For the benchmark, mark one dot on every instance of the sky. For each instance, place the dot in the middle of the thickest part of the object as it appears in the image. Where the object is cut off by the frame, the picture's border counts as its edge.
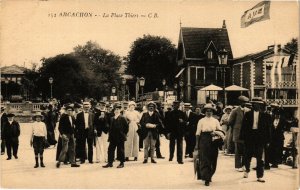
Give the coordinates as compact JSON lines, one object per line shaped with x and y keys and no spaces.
{"x":29,"y":32}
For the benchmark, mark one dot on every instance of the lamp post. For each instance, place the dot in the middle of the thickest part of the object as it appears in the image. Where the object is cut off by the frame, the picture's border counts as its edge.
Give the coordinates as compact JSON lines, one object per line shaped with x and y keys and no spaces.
{"x":181,"y":89}
{"x":113,"y":92}
{"x":223,"y":56}
{"x":164,"y":82}
{"x":6,"y":84}
{"x":175,"y":90}
{"x":142,"y":84}
{"x":51,"y":82}
{"x":123,"y":88}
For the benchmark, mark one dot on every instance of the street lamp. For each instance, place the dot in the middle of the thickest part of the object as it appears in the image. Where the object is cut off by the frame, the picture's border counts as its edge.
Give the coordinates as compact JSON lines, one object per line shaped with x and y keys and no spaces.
{"x":181,"y":89}
{"x":123,"y":88}
{"x":223,"y":56}
{"x":142,"y":84}
{"x":6,"y":84}
{"x":51,"y":82}
{"x":164,"y":82}
{"x":175,"y":90}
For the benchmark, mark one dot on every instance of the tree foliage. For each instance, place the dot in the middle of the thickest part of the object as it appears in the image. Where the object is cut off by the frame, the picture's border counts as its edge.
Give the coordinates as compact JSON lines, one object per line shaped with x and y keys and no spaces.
{"x":292,"y":45}
{"x":154,"y":58}
{"x":89,"y":71}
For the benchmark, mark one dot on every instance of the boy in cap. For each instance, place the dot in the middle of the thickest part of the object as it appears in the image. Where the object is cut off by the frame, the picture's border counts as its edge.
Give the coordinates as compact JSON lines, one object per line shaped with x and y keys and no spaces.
{"x":11,"y":133}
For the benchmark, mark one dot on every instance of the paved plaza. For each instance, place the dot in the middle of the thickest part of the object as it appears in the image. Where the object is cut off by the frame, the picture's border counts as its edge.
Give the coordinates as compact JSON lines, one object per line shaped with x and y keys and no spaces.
{"x":163,"y":175}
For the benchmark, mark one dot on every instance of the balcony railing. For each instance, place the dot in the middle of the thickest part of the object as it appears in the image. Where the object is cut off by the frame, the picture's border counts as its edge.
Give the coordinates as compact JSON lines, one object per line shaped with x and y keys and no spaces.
{"x":282,"y":84}
{"x":284,"y":102}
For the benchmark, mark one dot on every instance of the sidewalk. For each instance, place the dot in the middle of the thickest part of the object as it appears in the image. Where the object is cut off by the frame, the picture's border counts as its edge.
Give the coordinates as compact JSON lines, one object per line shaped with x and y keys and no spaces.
{"x":164,"y":175}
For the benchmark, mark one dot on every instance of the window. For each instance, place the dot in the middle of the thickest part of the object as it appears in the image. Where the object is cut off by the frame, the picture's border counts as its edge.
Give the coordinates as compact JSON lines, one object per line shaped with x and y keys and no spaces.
{"x":209,"y":54}
{"x":200,"y":73}
{"x":212,"y":95}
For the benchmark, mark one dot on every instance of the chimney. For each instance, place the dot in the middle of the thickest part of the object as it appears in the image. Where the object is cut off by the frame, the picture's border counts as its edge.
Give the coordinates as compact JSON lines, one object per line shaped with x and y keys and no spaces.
{"x":279,"y":47}
{"x":224,"y":25}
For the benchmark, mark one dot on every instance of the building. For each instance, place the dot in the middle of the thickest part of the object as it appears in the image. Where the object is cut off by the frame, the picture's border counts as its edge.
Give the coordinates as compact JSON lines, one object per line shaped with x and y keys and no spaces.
{"x":270,"y":74}
{"x":11,"y":81}
{"x":200,"y":58}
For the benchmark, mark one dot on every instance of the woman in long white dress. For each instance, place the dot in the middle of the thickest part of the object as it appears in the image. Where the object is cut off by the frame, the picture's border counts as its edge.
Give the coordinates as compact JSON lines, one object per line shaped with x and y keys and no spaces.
{"x":132,"y":142}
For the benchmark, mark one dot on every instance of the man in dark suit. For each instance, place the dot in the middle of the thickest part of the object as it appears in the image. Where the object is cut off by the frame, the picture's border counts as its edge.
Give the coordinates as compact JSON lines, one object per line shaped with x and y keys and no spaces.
{"x":11,"y":133}
{"x":190,"y":132}
{"x":66,"y":130}
{"x":255,"y":133}
{"x":4,"y":120}
{"x":176,"y":124}
{"x":235,"y":121}
{"x":85,"y":132}
{"x":118,"y":130}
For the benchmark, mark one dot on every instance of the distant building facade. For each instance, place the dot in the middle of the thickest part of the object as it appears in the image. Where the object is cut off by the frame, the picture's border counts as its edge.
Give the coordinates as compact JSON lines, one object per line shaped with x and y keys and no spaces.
{"x":11,"y":81}
{"x":270,"y":74}
{"x":199,"y":61}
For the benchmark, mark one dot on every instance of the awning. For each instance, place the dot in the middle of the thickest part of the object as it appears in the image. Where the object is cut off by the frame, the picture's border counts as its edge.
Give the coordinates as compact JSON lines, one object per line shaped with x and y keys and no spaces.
{"x":211,"y":88}
{"x":180,"y":72}
{"x":235,"y":88}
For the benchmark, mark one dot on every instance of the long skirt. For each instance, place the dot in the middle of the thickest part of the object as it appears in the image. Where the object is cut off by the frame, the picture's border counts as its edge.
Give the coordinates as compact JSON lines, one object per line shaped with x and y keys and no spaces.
{"x":208,"y":155}
{"x":102,"y":148}
{"x":132,"y":142}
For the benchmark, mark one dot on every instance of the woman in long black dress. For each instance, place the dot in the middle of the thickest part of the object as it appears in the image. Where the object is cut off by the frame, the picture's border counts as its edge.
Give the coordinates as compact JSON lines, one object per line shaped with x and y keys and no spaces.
{"x":208,"y":131}
{"x":274,"y":151}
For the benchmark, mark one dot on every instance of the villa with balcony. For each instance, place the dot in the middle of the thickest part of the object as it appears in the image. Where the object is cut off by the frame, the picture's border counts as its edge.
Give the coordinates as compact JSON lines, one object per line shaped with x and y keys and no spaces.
{"x":270,"y":74}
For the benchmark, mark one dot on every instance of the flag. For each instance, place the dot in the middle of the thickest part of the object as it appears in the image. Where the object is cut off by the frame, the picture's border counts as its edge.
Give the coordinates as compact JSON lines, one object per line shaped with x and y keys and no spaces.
{"x":259,"y":12}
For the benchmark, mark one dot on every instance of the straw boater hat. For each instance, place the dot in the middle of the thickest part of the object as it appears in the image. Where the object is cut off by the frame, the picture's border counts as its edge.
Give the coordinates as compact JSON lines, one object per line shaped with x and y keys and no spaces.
{"x":258,"y":100}
{"x":151,"y":103}
{"x":208,"y":106}
{"x":69,"y":106}
{"x":227,"y":107}
{"x":187,"y":105}
{"x":38,"y":114}
{"x":119,"y":106}
{"x":131,"y":103}
{"x":243,"y":99}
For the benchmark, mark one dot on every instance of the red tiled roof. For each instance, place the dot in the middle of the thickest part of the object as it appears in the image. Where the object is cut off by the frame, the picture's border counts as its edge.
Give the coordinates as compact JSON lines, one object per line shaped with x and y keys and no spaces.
{"x":196,"y":40}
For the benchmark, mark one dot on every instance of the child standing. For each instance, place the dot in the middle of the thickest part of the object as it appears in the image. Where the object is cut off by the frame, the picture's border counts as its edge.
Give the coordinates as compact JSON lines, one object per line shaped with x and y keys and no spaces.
{"x":38,"y":138}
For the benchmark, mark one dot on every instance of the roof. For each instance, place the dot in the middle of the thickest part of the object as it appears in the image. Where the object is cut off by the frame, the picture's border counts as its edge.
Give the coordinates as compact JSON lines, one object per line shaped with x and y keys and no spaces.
{"x":235,"y":88}
{"x":211,"y":88}
{"x":259,"y":54}
{"x":13,"y":69}
{"x":196,"y":41}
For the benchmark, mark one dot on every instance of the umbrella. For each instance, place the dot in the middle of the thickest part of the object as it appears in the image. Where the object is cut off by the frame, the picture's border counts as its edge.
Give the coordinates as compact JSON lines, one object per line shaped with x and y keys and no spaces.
{"x":235,"y":88}
{"x":196,"y":161}
{"x":211,"y":88}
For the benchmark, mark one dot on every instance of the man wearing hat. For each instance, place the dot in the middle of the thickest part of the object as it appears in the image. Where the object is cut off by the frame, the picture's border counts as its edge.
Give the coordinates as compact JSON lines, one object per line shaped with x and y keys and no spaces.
{"x":4,"y":120}
{"x":176,"y":125}
{"x":255,"y":133}
{"x":191,"y":128}
{"x":11,"y":133}
{"x":85,"y":132}
{"x":235,"y":121}
{"x":117,"y":136}
{"x":151,"y":124}
{"x":66,"y":129}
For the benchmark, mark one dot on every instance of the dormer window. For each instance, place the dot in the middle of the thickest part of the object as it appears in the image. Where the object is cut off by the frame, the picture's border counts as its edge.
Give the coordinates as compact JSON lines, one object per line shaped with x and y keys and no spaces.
{"x":209,"y":54}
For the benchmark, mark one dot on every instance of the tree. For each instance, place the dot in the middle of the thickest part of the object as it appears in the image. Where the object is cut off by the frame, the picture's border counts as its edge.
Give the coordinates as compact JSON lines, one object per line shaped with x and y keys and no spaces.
{"x":70,"y":74}
{"x":154,"y":58}
{"x":105,"y":65}
{"x":292,"y":45}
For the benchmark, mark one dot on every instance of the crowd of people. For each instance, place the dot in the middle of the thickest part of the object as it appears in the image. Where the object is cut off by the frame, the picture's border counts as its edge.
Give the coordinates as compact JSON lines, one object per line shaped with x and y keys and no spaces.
{"x":250,"y":129}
